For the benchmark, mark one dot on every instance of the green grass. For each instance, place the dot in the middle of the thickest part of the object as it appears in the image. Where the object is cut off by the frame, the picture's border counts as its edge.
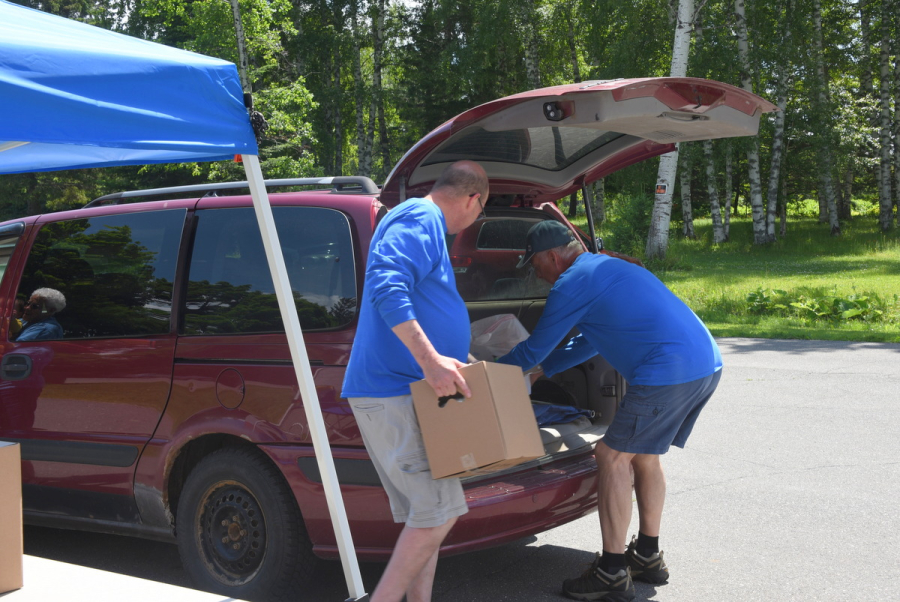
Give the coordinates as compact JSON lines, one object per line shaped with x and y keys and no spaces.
{"x":860,"y":269}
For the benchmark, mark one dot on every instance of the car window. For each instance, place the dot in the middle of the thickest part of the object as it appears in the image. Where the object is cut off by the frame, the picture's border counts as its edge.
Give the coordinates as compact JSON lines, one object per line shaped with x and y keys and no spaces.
{"x":116,"y":272}
{"x":9,"y":236}
{"x":550,"y":148}
{"x":484,"y":258}
{"x":230,"y":287}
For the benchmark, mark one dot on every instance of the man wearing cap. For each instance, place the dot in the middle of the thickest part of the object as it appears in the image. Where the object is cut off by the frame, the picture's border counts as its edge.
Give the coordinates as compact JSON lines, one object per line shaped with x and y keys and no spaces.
{"x":672,"y":366}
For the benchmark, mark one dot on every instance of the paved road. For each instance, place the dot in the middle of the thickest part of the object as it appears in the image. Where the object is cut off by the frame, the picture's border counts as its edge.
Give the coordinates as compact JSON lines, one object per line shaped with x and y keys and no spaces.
{"x":787,"y":490}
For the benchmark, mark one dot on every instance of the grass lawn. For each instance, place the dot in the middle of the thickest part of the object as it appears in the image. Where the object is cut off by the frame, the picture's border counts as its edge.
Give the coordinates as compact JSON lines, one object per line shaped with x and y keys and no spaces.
{"x":854,"y":278}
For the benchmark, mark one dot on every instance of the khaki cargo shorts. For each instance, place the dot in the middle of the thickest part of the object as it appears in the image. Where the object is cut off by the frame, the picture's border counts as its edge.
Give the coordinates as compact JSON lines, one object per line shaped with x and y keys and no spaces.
{"x":391,"y":433}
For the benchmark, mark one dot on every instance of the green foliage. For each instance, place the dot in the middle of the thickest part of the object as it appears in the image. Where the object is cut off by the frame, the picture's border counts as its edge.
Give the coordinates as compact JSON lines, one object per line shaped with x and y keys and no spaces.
{"x":628,"y":222}
{"x":818,"y":306}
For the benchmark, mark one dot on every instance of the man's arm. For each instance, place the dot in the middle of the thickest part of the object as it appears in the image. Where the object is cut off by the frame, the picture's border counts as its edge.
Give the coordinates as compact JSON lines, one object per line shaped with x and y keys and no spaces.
{"x":441,"y":372}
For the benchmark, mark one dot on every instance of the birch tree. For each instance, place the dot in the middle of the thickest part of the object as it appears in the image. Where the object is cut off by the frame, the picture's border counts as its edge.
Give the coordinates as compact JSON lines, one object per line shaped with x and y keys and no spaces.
{"x":715,"y":210}
{"x":884,"y":192}
{"x":756,"y":206}
{"x":728,"y":189}
{"x":778,"y":135}
{"x":658,"y":238}
{"x":825,"y":134}
{"x":687,"y":212}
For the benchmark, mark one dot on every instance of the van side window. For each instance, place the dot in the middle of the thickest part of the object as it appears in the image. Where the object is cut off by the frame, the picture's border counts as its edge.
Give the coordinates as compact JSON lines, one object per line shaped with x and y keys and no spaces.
{"x":116,"y":272}
{"x":230,"y":286}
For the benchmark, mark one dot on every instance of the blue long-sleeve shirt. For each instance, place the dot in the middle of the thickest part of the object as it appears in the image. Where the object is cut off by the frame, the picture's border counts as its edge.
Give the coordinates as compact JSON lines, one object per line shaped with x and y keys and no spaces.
{"x":628,"y":316}
{"x":408,"y":277}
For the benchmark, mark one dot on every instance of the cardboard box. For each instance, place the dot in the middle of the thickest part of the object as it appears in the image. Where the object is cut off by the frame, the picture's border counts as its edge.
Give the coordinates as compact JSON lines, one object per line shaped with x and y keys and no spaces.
{"x":11,"y":511}
{"x":492,"y":430}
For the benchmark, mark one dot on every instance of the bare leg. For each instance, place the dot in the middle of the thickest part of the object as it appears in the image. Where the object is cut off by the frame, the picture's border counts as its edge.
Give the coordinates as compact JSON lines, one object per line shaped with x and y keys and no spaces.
{"x":412,"y":565}
{"x":650,"y":488}
{"x":614,"y":496}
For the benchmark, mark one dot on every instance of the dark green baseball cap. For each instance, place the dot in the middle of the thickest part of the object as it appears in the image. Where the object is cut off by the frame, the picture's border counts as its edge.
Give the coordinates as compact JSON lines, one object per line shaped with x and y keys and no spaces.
{"x":546,"y":234}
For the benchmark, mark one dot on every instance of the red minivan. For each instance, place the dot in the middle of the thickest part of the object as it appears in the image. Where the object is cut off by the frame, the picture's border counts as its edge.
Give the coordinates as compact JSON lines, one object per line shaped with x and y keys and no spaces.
{"x":169,"y":408}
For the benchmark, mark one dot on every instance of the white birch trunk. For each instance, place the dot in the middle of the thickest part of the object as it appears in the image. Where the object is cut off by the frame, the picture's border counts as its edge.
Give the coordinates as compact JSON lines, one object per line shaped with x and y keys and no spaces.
{"x":884,"y":193}
{"x":714,"y":206}
{"x":532,"y":43}
{"x":756,"y":205}
{"x":778,"y":134}
{"x":599,"y":208}
{"x":897,"y":120}
{"x":243,"y":63}
{"x":687,"y":211}
{"x":728,"y":191}
{"x":775,"y":166}
{"x":825,"y":160}
{"x":658,"y":238}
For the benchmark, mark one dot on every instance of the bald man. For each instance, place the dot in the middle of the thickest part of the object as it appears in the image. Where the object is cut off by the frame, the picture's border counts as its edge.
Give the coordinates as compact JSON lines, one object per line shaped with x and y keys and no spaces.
{"x":413,"y":325}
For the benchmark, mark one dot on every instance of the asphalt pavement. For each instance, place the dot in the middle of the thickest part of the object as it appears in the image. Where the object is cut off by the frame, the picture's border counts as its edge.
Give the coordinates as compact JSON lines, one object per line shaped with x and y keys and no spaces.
{"x":787,"y":490}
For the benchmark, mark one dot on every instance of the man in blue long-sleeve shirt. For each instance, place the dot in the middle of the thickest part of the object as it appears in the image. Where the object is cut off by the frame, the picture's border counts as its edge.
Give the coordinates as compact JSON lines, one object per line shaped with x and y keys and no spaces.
{"x":672,"y":366}
{"x":413,"y":325}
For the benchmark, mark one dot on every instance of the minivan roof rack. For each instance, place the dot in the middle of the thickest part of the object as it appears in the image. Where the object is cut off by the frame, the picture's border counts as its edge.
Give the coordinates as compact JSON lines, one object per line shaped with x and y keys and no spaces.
{"x":339,"y":185}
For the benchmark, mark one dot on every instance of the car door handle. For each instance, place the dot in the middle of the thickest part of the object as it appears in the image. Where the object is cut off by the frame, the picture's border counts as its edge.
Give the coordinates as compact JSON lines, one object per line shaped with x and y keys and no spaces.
{"x":15,"y":366}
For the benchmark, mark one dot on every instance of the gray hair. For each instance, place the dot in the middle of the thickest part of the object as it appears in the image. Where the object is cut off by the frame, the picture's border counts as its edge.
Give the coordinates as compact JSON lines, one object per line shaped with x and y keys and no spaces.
{"x":567,"y":251}
{"x":54,"y":300}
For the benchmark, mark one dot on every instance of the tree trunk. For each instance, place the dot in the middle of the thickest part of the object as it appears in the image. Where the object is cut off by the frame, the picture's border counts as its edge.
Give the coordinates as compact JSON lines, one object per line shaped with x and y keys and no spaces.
{"x":658,"y":238}
{"x":715,"y":211}
{"x":337,"y":93}
{"x":531,"y":37}
{"x":571,"y":41}
{"x":573,"y":206}
{"x":243,"y":65}
{"x":778,"y":135}
{"x":825,"y":159}
{"x":884,"y":193}
{"x":378,"y":89}
{"x":897,"y":116}
{"x":728,"y":191}
{"x":598,"y":210}
{"x":756,"y":205}
{"x":846,"y":212}
{"x":363,"y":150}
{"x":687,"y":212}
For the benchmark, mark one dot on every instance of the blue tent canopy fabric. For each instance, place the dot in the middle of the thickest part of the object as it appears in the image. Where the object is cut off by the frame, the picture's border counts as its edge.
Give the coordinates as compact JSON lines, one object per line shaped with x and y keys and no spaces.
{"x":74,"y":96}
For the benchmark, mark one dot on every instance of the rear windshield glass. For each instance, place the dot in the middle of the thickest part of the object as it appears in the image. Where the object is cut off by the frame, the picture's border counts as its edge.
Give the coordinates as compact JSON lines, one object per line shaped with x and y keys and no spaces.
{"x":550,"y":148}
{"x":484,"y":258}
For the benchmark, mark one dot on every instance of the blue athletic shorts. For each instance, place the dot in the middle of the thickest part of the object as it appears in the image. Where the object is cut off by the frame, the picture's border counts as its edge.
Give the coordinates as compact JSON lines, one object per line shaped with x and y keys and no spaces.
{"x":650,"y":419}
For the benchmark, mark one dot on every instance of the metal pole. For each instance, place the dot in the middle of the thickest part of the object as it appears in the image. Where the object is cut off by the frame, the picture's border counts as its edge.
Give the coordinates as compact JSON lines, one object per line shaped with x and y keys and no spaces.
{"x":304,"y":377}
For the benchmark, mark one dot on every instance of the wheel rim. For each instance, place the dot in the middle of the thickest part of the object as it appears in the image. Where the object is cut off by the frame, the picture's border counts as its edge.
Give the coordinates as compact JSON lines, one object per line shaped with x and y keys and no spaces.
{"x":232,"y":531}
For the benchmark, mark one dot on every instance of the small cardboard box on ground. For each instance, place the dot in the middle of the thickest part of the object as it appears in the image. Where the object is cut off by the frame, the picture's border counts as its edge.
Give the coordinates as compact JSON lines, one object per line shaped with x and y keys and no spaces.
{"x":492,"y":430}
{"x":11,"y":511}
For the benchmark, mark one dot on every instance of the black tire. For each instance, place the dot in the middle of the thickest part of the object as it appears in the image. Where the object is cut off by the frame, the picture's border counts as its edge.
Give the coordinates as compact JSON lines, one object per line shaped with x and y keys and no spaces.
{"x":239,"y":531}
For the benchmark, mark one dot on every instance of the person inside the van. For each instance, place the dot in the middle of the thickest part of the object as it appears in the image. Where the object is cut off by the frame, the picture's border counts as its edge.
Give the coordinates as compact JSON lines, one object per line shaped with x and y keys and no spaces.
{"x":38,"y":321}
{"x":15,"y":323}
{"x":413,"y":324}
{"x":672,"y":366}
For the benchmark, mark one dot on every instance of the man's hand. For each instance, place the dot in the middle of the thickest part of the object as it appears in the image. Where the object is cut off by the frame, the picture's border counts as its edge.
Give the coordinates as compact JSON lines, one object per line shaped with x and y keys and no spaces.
{"x":441,"y":372}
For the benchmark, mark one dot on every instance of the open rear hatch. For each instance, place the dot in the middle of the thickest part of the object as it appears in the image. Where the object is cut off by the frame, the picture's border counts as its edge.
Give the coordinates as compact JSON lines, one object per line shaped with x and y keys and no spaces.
{"x":544,"y":144}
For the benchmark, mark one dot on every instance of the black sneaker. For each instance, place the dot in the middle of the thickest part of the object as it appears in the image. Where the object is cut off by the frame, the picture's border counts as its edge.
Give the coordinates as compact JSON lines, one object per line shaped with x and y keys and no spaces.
{"x":595,"y":584}
{"x":652,"y":569}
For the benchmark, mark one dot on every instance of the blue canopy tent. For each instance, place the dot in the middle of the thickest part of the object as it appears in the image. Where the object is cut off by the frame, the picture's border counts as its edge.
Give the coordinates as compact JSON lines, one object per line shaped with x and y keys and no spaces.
{"x":76,"y":96}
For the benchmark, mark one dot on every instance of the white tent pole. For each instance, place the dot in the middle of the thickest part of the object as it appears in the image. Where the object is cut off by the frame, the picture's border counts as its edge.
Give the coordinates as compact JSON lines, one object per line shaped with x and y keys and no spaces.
{"x":308,"y":393}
